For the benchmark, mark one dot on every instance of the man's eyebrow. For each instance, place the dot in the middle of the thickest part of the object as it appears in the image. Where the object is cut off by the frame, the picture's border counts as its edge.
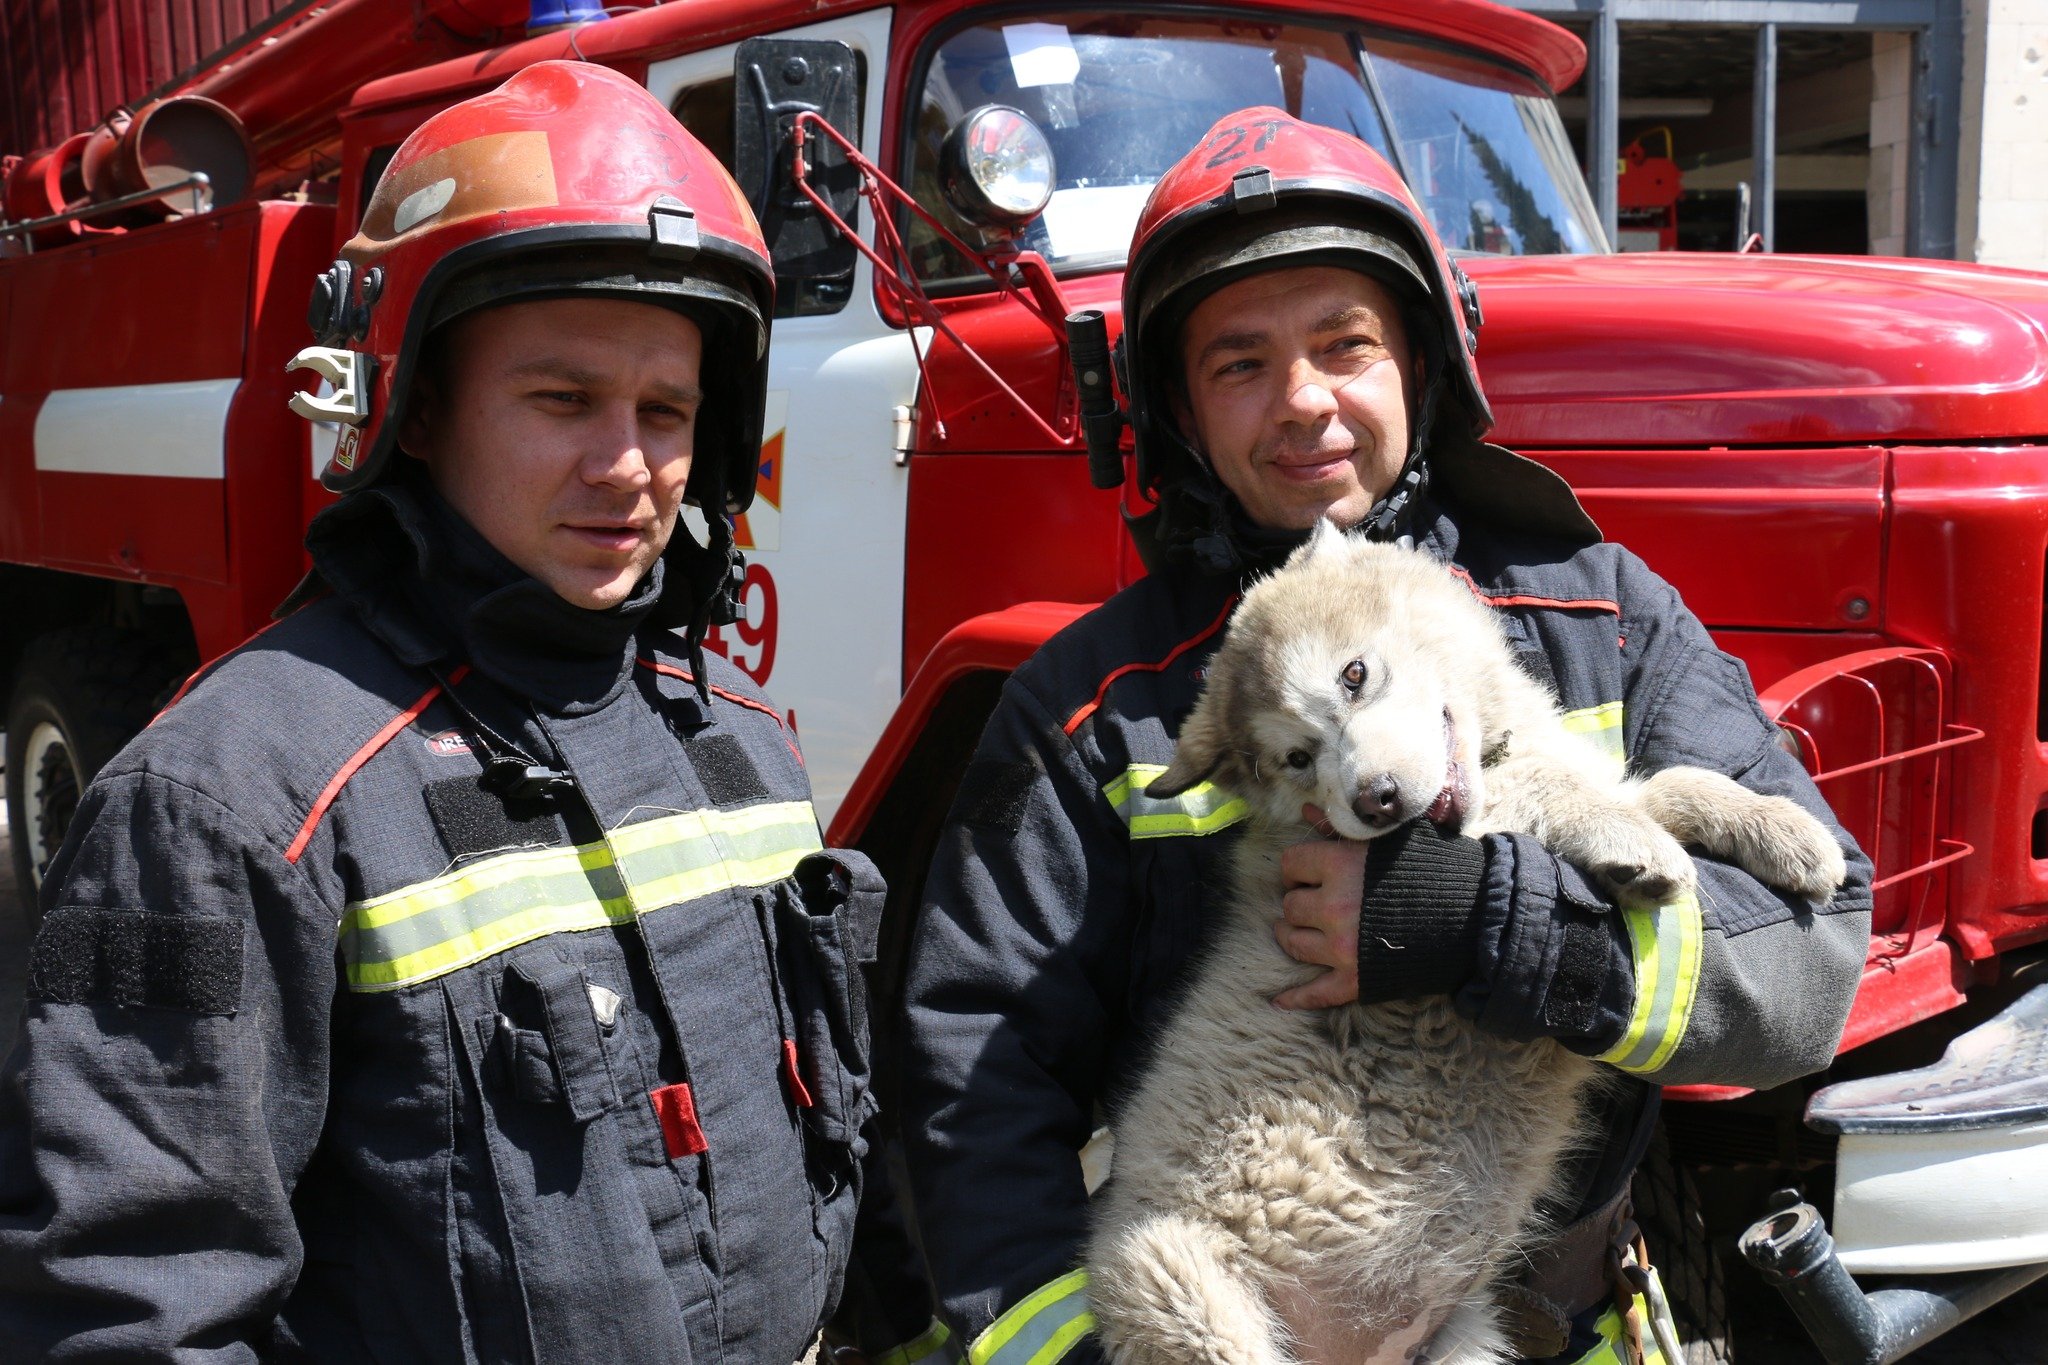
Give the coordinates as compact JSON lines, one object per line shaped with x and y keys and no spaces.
{"x":556,"y":370}
{"x":682,"y":395}
{"x":1230,"y":341}
{"x":1350,"y":315}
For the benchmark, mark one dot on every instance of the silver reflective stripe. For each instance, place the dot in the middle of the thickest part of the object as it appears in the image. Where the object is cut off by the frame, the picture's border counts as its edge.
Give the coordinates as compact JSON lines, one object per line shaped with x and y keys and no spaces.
{"x":1202,"y":809}
{"x":427,"y":930}
{"x":1040,"y":1328}
{"x":1665,"y":943}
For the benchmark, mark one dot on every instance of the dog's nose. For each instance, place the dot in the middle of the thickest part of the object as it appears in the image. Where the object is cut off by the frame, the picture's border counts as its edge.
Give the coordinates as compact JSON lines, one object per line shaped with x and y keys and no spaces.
{"x":1378,"y":802}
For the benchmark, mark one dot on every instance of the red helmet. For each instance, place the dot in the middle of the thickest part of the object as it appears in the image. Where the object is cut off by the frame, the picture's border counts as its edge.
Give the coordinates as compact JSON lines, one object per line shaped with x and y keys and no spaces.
{"x":568,"y":179}
{"x":1263,"y":191}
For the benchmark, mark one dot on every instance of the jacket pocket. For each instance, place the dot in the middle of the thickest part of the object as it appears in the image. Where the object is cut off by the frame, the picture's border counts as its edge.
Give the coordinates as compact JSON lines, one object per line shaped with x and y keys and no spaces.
{"x":825,"y":919}
{"x":554,"y":1171}
{"x":822,"y":922}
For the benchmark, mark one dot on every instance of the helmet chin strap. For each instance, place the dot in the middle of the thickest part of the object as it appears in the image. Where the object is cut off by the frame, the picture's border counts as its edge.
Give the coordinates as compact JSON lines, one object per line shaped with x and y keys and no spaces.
{"x":715,"y":577}
{"x":1393,"y":516}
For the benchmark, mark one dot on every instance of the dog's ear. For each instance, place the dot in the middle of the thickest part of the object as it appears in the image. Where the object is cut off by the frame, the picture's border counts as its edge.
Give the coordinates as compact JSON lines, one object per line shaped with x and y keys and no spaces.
{"x":1325,"y":539}
{"x":1197,"y":754}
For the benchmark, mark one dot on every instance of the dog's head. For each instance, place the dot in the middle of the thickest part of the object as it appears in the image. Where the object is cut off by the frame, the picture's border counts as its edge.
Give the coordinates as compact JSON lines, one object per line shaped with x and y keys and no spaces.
{"x":1350,"y":680}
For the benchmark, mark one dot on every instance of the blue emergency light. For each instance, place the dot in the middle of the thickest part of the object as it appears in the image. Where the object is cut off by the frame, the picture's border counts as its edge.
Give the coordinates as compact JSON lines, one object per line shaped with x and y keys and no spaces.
{"x":546,"y":14}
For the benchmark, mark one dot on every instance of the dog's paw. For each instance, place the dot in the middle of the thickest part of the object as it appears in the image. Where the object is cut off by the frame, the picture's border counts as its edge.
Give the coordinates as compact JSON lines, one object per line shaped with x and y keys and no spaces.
{"x":1784,"y":846}
{"x":1643,"y":865}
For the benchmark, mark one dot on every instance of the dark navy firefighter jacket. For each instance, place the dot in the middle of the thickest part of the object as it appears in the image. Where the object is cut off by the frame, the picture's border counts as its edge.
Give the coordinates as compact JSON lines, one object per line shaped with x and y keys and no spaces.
{"x":1065,"y":903}
{"x":332,"y":1053}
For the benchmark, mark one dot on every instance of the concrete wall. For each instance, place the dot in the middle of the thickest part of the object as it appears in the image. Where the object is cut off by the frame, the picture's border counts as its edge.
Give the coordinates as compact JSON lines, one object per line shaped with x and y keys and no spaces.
{"x":2002,"y":208}
{"x":1891,"y":132}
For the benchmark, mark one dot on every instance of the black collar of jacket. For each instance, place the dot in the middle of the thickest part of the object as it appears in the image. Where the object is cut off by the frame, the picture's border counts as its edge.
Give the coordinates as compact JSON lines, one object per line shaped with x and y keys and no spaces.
{"x":435,"y":592}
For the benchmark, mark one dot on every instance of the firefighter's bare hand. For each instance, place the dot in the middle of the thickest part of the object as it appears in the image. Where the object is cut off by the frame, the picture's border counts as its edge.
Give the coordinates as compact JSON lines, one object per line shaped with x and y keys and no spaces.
{"x":1325,"y":881}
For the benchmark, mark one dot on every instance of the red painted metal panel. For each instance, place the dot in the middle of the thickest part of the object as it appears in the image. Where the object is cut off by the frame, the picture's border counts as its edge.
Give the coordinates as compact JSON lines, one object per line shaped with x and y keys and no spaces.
{"x":1772,"y":654}
{"x":998,"y":642}
{"x":150,"y":529}
{"x":1661,"y":348}
{"x":20,"y":503}
{"x":1780,"y":539}
{"x":154,"y":306}
{"x":988,"y":531}
{"x":269,"y":459}
{"x":1965,"y":564}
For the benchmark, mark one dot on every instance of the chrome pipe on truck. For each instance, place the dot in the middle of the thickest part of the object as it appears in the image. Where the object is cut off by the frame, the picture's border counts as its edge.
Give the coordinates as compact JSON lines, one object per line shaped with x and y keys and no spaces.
{"x":1795,"y":1254}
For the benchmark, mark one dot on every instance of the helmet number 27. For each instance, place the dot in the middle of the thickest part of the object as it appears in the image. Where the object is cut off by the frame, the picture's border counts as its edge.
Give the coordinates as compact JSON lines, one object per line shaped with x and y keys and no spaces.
{"x":1229,"y":144}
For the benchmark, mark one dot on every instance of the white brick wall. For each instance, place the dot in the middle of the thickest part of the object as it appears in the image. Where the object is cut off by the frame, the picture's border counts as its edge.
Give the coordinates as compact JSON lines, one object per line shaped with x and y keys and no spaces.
{"x":1891,"y":125}
{"x":2003,"y":216}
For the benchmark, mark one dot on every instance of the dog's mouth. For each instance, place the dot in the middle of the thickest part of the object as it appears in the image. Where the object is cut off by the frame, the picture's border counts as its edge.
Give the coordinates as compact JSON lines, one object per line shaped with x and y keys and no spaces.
{"x":1452,"y":803}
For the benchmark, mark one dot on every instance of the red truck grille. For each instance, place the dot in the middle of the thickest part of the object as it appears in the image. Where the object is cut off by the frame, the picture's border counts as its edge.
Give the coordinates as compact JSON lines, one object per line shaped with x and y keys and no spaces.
{"x":1874,"y":729}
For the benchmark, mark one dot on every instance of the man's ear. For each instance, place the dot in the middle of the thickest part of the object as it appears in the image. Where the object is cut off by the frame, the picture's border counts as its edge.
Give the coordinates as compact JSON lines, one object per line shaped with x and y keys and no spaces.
{"x":414,"y":424}
{"x":1200,"y":751}
{"x":1183,"y":417}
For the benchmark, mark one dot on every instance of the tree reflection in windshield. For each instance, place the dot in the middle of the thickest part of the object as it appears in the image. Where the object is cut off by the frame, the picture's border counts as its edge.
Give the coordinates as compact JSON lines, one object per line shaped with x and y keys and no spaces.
{"x":1483,"y":151}
{"x":1120,"y":97}
{"x":1538,"y":236}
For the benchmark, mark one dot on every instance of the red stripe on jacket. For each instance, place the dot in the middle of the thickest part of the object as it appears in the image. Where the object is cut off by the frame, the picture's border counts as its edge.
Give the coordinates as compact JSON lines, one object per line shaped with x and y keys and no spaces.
{"x":1074,"y":721}
{"x":361,"y":756}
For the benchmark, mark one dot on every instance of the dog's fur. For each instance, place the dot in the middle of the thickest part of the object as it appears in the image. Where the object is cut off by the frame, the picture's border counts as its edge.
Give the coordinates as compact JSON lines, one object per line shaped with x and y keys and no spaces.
{"x":1345,"y":1186}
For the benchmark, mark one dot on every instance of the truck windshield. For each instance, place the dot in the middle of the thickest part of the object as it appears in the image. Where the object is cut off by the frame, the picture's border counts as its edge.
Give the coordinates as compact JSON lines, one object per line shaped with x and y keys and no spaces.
{"x":1120,"y":97}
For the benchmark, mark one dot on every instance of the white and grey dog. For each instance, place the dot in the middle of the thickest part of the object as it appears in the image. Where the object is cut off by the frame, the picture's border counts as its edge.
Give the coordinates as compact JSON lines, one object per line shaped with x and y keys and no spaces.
{"x":1344,"y":1186}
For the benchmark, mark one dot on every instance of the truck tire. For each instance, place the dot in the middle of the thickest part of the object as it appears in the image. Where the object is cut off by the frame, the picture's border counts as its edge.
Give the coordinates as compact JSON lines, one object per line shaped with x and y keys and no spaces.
{"x":1674,"y":1228}
{"x":80,"y":694}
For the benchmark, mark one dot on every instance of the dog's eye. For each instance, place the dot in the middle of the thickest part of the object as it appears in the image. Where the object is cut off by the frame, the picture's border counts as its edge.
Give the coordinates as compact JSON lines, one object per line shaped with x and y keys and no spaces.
{"x":1353,"y":676}
{"x":1300,"y":758}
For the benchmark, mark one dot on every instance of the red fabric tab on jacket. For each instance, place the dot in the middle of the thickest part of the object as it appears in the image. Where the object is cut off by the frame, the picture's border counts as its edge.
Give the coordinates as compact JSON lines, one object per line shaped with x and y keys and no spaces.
{"x":793,"y":1074}
{"x":677,"y":1110}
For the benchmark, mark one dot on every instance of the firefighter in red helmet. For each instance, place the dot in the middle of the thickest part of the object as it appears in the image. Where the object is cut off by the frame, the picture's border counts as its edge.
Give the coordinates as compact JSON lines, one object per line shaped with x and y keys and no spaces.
{"x":1296,"y":346}
{"x":453,"y":971}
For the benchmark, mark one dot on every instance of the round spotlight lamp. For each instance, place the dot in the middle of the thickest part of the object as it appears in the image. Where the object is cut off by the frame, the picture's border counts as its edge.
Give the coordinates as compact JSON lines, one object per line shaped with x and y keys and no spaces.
{"x":996,"y":168}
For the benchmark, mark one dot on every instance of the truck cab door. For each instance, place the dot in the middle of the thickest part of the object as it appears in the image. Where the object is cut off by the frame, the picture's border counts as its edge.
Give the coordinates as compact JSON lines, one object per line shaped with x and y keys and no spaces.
{"x":822,"y":624}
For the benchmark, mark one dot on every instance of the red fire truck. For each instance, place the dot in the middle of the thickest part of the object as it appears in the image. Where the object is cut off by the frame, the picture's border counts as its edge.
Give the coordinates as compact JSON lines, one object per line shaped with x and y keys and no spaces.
{"x":1839,"y":462}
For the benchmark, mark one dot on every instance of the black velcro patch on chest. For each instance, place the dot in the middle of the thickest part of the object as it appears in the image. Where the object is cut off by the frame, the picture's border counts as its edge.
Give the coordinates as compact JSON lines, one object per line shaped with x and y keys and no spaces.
{"x":994,"y":795}
{"x":471,"y":820}
{"x":725,"y":770}
{"x":86,"y":956}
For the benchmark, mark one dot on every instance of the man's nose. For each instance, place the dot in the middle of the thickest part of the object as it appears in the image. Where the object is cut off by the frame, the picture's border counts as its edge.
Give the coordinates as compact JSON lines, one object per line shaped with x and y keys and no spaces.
{"x":617,"y":456}
{"x":1309,"y":396}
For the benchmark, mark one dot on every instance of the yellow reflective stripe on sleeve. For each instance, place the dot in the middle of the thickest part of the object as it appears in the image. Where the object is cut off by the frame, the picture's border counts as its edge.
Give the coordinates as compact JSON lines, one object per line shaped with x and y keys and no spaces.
{"x":1664,"y":945}
{"x":439,"y":926}
{"x":1039,"y":1328}
{"x":1601,"y":724}
{"x":935,"y":1344}
{"x":1202,"y":809}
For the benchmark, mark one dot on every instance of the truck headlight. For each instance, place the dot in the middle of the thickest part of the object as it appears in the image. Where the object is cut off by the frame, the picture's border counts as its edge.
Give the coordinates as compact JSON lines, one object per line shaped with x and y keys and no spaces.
{"x":996,"y":167}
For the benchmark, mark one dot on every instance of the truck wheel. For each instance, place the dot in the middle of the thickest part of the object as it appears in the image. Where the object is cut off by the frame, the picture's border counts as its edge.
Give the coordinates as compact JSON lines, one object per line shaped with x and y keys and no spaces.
{"x":79,"y":695}
{"x":1668,"y":1211}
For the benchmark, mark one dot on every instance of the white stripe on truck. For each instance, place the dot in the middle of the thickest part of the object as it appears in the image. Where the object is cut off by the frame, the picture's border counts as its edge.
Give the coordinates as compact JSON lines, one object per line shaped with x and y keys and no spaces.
{"x":161,"y":430}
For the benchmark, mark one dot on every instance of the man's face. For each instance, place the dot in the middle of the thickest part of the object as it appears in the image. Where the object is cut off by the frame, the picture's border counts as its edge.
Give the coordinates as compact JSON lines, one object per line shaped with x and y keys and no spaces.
{"x":1298,"y":389}
{"x":562,"y":431}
